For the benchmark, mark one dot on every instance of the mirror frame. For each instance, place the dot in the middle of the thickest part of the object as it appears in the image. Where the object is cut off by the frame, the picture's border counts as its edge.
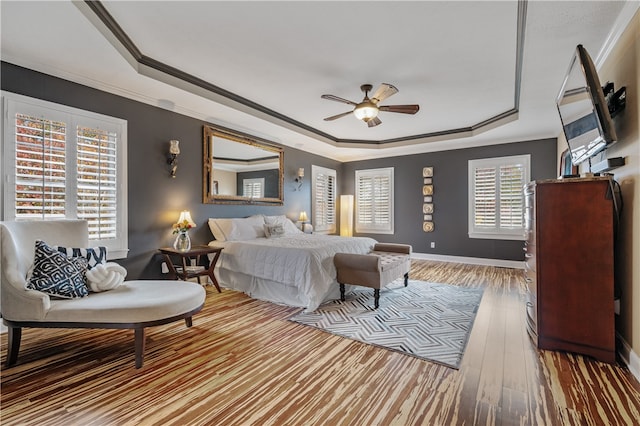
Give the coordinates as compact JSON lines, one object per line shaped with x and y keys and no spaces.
{"x":209,"y":131}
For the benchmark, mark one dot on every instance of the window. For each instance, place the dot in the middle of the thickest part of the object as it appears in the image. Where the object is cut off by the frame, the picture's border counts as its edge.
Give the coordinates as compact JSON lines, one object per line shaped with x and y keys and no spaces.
{"x":61,"y":162}
{"x":374,"y":201}
{"x":253,"y":188}
{"x":323,"y":194}
{"x":496,"y":197}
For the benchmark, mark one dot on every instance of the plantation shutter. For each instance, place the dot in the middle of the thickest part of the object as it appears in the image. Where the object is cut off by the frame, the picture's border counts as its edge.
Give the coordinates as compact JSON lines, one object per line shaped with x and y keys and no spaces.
{"x":485,"y":197}
{"x":512,"y":182}
{"x":60,"y":162}
{"x":40,"y":177}
{"x":324,"y":199}
{"x":253,"y":188}
{"x":97,"y":181}
{"x":497,"y":198}
{"x":374,"y":200}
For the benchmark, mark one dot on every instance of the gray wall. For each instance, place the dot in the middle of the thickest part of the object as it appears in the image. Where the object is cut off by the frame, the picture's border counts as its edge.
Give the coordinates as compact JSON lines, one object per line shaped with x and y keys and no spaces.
{"x":155,"y":199}
{"x":450,"y":197}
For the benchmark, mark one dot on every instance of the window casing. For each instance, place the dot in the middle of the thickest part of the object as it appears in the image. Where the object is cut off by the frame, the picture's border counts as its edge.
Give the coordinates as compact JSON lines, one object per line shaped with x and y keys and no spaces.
{"x":323,"y":194}
{"x":60,"y":162}
{"x":374,"y":201}
{"x":496,"y":197}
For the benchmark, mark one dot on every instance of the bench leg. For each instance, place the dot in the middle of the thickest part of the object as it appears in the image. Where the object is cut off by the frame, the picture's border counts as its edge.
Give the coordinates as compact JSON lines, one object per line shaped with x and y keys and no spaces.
{"x":188,"y":321}
{"x":139,"y":345}
{"x":406,"y":279}
{"x":14,"y":338}
{"x":376,"y":297}
{"x":342,"y":289}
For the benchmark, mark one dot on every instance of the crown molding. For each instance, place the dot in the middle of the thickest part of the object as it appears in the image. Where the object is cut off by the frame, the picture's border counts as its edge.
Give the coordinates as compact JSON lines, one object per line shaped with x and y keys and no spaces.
{"x":106,"y":24}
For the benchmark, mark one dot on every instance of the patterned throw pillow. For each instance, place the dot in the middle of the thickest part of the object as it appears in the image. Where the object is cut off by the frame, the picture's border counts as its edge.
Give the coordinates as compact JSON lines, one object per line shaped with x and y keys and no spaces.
{"x":94,"y":255}
{"x":58,"y":275}
{"x":272,"y":231}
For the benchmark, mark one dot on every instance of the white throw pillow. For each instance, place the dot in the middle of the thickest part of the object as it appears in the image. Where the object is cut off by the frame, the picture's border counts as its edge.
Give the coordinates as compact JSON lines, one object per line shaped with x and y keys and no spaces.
{"x":105,"y":276}
{"x":289,"y":226}
{"x":273,"y":231}
{"x":216,"y":230}
{"x":238,"y":229}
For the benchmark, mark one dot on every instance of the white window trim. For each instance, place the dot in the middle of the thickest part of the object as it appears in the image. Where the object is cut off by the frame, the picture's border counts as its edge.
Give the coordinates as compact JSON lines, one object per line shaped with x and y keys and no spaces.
{"x":496,"y":233}
{"x":387,"y":228}
{"x":13,"y":103}
{"x":316,"y":171}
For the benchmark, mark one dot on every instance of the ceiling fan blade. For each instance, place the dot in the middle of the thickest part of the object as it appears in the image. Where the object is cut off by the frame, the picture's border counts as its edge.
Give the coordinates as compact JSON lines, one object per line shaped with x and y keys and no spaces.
{"x":403,"y":109}
{"x":383,"y":92}
{"x":374,"y":122}
{"x":338,"y":99}
{"x":334,"y":117}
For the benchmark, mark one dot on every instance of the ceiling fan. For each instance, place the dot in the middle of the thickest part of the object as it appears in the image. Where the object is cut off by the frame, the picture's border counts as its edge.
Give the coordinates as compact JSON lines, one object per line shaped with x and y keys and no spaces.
{"x":368,"y":109}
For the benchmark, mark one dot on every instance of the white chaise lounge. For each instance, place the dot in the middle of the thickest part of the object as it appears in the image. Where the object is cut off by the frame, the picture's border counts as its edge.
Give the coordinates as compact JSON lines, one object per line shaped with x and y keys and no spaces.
{"x":132,"y":305}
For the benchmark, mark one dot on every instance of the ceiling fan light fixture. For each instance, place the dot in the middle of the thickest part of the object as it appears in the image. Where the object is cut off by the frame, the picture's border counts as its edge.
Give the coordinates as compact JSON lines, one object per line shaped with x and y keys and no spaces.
{"x":365,"y":111}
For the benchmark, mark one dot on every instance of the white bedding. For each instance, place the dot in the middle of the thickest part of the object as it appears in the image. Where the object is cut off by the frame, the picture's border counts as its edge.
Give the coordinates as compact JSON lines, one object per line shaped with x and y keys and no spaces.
{"x":295,"y":270}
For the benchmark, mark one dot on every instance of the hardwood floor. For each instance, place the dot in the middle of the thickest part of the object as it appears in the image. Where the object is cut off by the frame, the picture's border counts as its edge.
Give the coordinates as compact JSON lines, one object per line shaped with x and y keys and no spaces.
{"x":243,"y":363}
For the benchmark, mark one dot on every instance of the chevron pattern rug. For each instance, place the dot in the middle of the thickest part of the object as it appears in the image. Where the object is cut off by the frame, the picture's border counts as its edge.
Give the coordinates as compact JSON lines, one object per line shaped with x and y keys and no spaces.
{"x":426,"y":320}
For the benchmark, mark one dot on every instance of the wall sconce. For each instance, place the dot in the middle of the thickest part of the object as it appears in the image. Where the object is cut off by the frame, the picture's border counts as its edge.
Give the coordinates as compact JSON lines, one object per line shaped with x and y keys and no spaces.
{"x":174,"y":150}
{"x":300,"y":178}
{"x":346,"y":215}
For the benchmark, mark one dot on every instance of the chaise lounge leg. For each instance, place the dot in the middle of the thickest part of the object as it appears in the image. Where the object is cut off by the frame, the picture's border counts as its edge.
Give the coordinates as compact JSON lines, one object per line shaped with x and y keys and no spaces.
{"x":14,"y":337}
{"x":376,"y":297}
{"x":139,"y":345}
{"x":342,"y":290}
{"x":406,"y":279}
{"x":188,"y":321}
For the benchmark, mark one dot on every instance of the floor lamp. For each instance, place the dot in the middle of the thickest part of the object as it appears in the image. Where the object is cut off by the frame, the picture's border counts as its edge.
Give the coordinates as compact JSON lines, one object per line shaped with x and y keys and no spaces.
{"x":346,"y":215}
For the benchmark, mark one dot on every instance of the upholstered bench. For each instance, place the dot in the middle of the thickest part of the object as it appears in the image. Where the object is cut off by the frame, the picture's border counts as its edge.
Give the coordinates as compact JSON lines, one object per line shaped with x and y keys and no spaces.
{"x":385,"y":263}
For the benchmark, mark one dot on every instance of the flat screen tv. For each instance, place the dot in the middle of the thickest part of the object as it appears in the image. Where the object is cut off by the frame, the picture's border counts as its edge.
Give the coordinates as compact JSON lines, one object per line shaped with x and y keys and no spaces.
{"x":583,"y":109}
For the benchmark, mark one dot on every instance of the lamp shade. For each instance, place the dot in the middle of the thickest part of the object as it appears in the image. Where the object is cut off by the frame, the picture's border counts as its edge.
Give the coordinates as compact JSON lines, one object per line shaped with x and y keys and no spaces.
{"x":186,"y":215}
{"x":303,"y":216}
{"x":346,"y":215}
{"x":174,"y":147}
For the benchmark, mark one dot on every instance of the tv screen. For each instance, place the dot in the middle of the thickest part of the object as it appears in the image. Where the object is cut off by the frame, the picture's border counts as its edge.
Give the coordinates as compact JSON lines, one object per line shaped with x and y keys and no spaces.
{"x":583,"y":110}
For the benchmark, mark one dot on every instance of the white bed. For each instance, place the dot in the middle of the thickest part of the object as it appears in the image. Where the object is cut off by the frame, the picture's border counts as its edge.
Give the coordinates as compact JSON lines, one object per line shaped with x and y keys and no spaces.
{"x":291,"y":268}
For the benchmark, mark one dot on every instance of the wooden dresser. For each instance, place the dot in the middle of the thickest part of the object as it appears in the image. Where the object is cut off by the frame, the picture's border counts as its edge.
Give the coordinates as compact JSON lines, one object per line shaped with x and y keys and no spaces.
{"x":569,"y":265}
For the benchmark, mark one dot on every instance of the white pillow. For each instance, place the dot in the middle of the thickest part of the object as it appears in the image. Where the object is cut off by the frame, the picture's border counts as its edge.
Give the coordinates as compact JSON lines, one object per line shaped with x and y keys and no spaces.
{"x":273,"y":231}
{"x":216,"y":231}
{"x":289,"y":226}
{"x":237,"y":229}
{"x":105,"y":276}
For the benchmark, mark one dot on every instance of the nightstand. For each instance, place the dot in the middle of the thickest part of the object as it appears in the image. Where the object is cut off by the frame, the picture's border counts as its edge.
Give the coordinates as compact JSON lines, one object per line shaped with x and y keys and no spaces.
{"x":184,"y":270}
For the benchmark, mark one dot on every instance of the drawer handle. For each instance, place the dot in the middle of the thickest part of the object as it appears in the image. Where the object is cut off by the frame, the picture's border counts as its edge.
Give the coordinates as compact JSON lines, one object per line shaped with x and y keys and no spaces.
{"x":529,"y":280}
{"x":529,"y":305}
{"x":528,"y":255}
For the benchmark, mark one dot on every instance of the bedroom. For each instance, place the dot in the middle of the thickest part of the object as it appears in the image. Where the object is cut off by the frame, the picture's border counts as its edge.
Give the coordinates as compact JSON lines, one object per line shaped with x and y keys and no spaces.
{"x":155,"y":199}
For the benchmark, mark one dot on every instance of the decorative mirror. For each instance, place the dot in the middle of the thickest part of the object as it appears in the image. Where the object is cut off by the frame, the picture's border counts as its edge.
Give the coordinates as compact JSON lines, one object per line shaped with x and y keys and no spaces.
{"x":240,"y":169}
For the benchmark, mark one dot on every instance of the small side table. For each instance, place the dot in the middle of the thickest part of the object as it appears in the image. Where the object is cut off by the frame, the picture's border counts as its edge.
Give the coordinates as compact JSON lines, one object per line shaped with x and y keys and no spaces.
{"x":187,"y":271}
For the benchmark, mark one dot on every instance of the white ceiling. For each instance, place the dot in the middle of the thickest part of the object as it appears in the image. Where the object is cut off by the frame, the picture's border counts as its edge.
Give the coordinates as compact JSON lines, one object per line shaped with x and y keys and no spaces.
{"x":457,"y":60}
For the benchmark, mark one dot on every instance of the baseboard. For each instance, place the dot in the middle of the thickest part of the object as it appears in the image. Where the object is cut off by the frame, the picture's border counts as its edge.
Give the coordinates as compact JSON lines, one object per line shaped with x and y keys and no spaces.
{"x":630,"y":358}
{"x":470,"y":260}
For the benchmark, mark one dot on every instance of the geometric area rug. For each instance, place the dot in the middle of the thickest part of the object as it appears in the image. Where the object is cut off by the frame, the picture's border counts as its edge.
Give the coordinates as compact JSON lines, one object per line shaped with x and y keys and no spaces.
{"x":426,"y":320}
